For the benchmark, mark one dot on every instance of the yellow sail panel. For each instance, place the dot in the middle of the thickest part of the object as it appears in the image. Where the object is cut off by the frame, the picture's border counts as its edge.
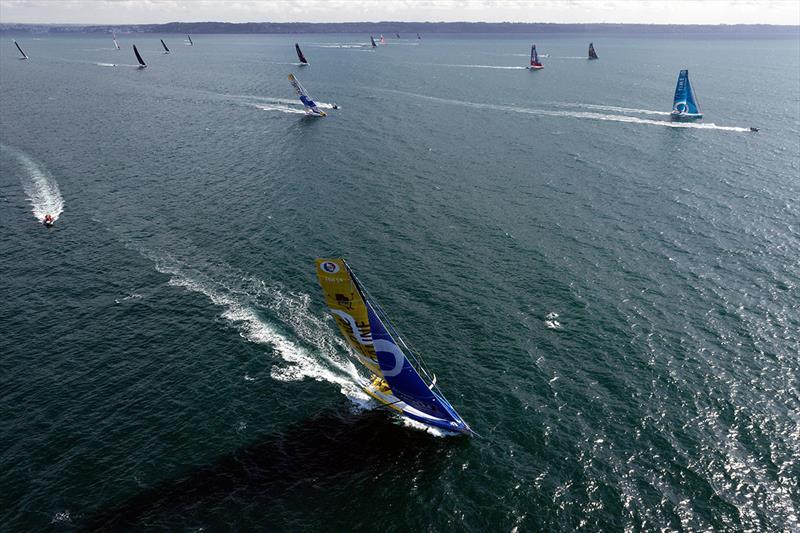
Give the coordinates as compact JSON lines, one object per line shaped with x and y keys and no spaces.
{"x":348,"y":310}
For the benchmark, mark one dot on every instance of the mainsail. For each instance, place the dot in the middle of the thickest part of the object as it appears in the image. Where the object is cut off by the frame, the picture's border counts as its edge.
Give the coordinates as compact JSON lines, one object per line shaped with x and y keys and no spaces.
{"x":535,"y":64}
{"x":114,"y":38}
{"x":142,"y":64}
{"x":592,"y":53}
{"x":372,"y":40}
{"x":684,"y":104}
{"x":300,"y":55}
{"x":398,"y":35}
{"x":24,"y":55}
{"x":310,"y":105}
{"x":166,"y":50}
{"x":397,"y":372}
{"x":418,"y":37}
{"x":191,"y":43}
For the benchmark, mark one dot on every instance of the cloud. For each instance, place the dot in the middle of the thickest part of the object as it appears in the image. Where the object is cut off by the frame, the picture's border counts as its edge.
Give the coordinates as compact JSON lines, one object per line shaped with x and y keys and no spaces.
{"x":159,"y":11}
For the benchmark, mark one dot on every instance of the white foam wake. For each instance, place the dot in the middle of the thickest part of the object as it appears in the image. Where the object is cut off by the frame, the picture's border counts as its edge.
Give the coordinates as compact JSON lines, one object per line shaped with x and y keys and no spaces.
{"x":613,"y":108}
{"x":279,"y":108}
{"x":40,"y":187}
{"x":575,"y":114}
{"x":246,"y":302}
{"x":500,"y":67}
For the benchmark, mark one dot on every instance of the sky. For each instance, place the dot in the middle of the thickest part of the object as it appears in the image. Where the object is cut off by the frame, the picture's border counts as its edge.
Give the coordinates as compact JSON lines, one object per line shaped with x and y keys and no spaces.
{"x":630,"y":11}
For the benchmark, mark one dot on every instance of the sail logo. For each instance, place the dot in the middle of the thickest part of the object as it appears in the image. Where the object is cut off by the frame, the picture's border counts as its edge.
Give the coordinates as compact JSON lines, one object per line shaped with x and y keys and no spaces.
{"x":329,"y":266}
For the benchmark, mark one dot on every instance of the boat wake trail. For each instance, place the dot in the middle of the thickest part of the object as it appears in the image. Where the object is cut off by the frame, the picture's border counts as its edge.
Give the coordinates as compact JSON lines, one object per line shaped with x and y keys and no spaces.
{"x":613,"y":108}
{"x":271,"y":316}
{"x":500,"y":67}
{"x":40,"y":187}
{"x":280,"y":108}
{"x":339,"y":45}
{"x":270,"y":100}
{"x":572,"y":114}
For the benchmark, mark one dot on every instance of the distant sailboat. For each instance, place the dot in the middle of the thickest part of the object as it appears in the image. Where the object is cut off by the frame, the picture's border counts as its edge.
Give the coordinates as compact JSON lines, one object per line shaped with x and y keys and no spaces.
{"x":114,"y":38}
{"x":24,"y":55}
{"x":684,"y":104}
{"x":592,"y":53}
{"x":166,"y":50}
{"x":142,"y":64}
{"x":399,"y":380}
{"x":300,"y":55}
{"x":535,"y":64}
{"x":191,"y":43}
{"x":372,"y":40}
{"x":308,"y":103}
{"x":418,"y":37}
{"x":398,"y":35}
{"x":383,"y":41}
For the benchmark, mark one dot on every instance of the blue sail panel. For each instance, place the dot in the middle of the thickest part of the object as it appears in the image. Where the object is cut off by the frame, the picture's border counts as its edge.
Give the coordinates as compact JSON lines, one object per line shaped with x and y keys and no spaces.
{"x":690,"y":100}
{"x":406,"y":384}
{"x":684,"y":101}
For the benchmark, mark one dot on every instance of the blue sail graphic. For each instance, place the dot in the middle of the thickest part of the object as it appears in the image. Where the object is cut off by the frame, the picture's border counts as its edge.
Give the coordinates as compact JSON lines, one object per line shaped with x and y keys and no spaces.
{"x":684,"y":103}
{"x":406,"y":383}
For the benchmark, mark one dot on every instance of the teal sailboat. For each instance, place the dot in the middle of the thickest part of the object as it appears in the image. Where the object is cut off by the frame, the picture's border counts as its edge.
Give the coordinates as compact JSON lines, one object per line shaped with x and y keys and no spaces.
{"x":684,"y":103}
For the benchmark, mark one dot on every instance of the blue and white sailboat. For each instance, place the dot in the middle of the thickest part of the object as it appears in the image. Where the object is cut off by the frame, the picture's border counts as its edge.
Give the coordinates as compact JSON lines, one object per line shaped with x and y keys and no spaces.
{"x":399,"y":380}
{"x":308,"y":103}
{"x":684,"y":104}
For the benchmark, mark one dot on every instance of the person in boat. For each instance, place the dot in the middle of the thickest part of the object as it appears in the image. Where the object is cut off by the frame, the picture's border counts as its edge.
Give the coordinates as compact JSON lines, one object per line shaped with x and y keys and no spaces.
{"x":335,"y":106}
{"x":48,"y":220}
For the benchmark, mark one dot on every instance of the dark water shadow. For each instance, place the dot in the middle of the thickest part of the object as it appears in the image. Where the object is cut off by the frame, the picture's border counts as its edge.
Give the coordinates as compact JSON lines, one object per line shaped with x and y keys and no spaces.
{"x":322,"y":454}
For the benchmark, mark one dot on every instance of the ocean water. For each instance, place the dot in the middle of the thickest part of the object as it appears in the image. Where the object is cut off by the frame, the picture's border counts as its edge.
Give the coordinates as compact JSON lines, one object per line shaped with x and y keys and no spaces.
{"x":610,"y":300}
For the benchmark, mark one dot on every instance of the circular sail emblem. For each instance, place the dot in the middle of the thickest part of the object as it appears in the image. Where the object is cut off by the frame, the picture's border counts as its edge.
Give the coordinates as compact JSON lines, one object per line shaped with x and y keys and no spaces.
{"x":329,"y":267}
{"x":681,"y":107}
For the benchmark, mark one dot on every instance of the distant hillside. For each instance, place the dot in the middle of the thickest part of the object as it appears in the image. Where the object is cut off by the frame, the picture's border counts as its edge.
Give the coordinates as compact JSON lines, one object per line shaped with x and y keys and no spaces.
{"x":412,"y":28}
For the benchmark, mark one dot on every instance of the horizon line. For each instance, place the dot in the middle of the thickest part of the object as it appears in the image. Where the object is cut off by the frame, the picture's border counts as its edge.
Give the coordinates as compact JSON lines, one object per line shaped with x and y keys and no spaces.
{"x":390,"y":22}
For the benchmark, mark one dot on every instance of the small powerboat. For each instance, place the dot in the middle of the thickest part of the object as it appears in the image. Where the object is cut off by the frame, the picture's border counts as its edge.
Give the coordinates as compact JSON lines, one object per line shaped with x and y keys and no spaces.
{"x":49,"y":221}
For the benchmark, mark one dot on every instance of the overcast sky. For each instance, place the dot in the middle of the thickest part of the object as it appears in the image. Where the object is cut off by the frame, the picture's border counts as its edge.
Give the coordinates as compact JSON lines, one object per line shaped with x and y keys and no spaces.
{"x":643,"y":11}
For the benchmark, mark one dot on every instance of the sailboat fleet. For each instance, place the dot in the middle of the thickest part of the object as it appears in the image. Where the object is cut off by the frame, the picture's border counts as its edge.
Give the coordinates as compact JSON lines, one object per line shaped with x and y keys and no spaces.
{"x":398,"y":378}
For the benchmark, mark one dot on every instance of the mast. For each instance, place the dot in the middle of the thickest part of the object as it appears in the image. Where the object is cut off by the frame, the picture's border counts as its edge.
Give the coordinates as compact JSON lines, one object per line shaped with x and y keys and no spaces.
{"x":114,"y":38}
{"x":166,"y":50}
{"x":24,"y":55}
{"x":191,"y":43}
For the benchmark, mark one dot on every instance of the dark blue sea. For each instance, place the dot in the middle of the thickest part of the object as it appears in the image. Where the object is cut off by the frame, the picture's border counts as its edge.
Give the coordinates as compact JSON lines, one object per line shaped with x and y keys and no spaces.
{"x":611,"y":300}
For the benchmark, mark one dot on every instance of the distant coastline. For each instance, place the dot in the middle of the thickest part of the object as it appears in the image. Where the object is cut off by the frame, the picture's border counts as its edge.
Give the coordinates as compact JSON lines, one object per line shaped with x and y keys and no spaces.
{"x":411,"y":28}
